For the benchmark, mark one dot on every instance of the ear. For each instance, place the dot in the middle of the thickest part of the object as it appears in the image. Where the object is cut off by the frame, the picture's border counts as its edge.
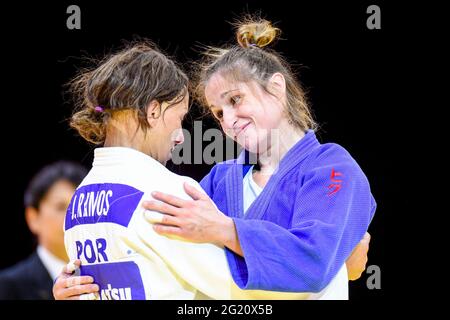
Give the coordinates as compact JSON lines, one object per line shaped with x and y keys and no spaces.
{"x":153,"y":113}
{"x":32,"y":218}
{"x":278,"y":85}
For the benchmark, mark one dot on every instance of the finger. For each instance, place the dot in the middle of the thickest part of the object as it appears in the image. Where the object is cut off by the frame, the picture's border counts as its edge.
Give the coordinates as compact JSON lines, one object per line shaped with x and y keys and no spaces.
{"x":361,"y":248}
{"x":160,"y":207}
{"x":365,"y":240}
{"x":153,"y":216}
{"x":354,"y":276}
{"x":72,"y":266}
{"x":170,"y":221}
{"x":167,"y":230}
{"x":168,"y":198}
{"x":193,"y":192}
{"x":72,"y":281}
{"x":71,"y":298}
{"x":162,"y":219}
{"x":81,"y":289}
{"x":90,"y":296}
{"x":61,"y":278}
{"x":60,"y":283}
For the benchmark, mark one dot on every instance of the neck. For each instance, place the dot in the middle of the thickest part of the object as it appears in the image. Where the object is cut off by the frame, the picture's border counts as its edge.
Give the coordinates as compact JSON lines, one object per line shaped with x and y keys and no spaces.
{"x":283,"y":139}
{"x":121,"y":131}
{"x":61,"y":256}
{"x":116,"y":139}
{"x":58,"y":252}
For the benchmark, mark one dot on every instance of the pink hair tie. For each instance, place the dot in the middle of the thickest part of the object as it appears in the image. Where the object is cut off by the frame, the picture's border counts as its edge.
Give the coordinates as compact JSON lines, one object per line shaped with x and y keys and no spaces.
{"x":98,"y":109}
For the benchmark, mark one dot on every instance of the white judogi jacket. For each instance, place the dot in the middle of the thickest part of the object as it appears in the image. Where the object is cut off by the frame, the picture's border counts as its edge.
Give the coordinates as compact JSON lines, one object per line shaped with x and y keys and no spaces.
{"x":106,"y":227}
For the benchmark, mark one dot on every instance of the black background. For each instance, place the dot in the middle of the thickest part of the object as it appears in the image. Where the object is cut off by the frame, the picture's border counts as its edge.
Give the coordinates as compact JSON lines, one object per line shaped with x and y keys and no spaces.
{"x":352,"y":75}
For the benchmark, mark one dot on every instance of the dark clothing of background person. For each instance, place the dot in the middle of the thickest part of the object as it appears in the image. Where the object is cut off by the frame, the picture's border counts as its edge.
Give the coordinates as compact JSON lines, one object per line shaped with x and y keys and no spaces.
{"x":26,"y":280}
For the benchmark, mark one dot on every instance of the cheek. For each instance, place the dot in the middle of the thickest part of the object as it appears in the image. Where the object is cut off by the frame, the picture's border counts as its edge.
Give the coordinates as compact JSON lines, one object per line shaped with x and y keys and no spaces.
{"x":228,"y":132}
{"x":268,"y":115}
{"x":54,"y":221}
{"x":173,"y":124}
{"x":264,"y":118}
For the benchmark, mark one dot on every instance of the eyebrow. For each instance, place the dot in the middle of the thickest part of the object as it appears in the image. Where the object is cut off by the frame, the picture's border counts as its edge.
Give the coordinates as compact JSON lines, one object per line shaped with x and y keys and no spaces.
{"x":227,"y":92}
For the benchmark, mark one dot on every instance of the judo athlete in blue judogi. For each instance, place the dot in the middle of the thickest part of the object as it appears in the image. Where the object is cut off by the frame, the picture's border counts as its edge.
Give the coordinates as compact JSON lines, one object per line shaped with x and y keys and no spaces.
{"x":293,"y":218}
{"x":304,"y":224}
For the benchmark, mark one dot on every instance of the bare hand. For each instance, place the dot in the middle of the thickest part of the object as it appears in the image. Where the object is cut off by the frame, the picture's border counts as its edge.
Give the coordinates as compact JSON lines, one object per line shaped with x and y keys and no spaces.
{"x":197,"y":220}
{"x":357,"y":261}
{"x":70,"y":287}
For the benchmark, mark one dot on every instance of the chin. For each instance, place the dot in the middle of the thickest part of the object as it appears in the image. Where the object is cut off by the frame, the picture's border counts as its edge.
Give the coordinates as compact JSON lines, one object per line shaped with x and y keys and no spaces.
{"x":167,"y":159}
{"x":163,"y":161}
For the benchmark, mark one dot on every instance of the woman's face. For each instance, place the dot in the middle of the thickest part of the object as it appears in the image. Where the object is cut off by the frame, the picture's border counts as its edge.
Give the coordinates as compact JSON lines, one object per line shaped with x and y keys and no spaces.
{"x":166,"y":131}
{"x":246,"y":112}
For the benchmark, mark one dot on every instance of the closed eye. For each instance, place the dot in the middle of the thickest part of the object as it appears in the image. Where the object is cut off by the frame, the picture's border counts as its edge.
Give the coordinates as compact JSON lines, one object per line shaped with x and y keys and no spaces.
{"x":235,"y":99}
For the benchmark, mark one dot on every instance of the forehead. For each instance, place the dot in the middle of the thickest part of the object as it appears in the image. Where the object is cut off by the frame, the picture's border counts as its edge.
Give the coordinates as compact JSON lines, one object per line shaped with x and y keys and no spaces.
{"x":218,"y":80}
{"x":183,"y":104}
{"x":60,"y":189}
{"x":218,"y":85}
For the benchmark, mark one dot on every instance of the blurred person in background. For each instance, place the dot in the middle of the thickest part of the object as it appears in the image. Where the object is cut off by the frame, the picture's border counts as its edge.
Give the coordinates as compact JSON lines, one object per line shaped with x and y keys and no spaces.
{"x":46,"y":199}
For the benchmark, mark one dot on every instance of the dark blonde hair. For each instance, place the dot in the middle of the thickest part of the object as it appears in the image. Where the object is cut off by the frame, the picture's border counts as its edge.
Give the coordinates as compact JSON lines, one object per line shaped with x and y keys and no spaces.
{"x":128,"y":79}
{"x":252,"y":61}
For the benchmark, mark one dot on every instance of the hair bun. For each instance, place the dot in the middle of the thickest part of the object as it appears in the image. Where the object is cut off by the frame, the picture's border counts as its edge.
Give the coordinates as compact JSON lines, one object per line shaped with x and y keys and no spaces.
{"x":256,"y":33}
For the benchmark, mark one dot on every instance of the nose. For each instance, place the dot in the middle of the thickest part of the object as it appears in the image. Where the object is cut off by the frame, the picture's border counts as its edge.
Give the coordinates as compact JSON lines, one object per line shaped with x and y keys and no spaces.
{"x":229,"y":118}
{"x":178,"y":136}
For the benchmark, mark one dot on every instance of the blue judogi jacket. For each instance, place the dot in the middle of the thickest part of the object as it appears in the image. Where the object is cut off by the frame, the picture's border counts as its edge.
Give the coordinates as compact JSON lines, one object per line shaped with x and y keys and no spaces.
{"x":299,"y":231}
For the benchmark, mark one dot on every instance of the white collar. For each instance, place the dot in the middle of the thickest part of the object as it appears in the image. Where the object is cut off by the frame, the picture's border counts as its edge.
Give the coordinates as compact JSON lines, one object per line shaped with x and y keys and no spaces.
{"x":252,"y":183}
{"x":116,"y":155}
{"x":52,"y":263}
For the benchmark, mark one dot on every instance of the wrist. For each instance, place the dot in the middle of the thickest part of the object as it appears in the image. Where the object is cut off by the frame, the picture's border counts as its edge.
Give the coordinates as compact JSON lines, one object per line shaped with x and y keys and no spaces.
{"x":227,"y":232}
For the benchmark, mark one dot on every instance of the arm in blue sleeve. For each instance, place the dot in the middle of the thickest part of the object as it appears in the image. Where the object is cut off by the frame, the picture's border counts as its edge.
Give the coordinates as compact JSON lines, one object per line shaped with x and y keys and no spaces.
{"x":324,"y":230}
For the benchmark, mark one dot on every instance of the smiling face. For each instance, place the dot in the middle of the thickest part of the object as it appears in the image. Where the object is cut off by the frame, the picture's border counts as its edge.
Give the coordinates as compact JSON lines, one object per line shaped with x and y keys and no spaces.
{"x":246,"y":112}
